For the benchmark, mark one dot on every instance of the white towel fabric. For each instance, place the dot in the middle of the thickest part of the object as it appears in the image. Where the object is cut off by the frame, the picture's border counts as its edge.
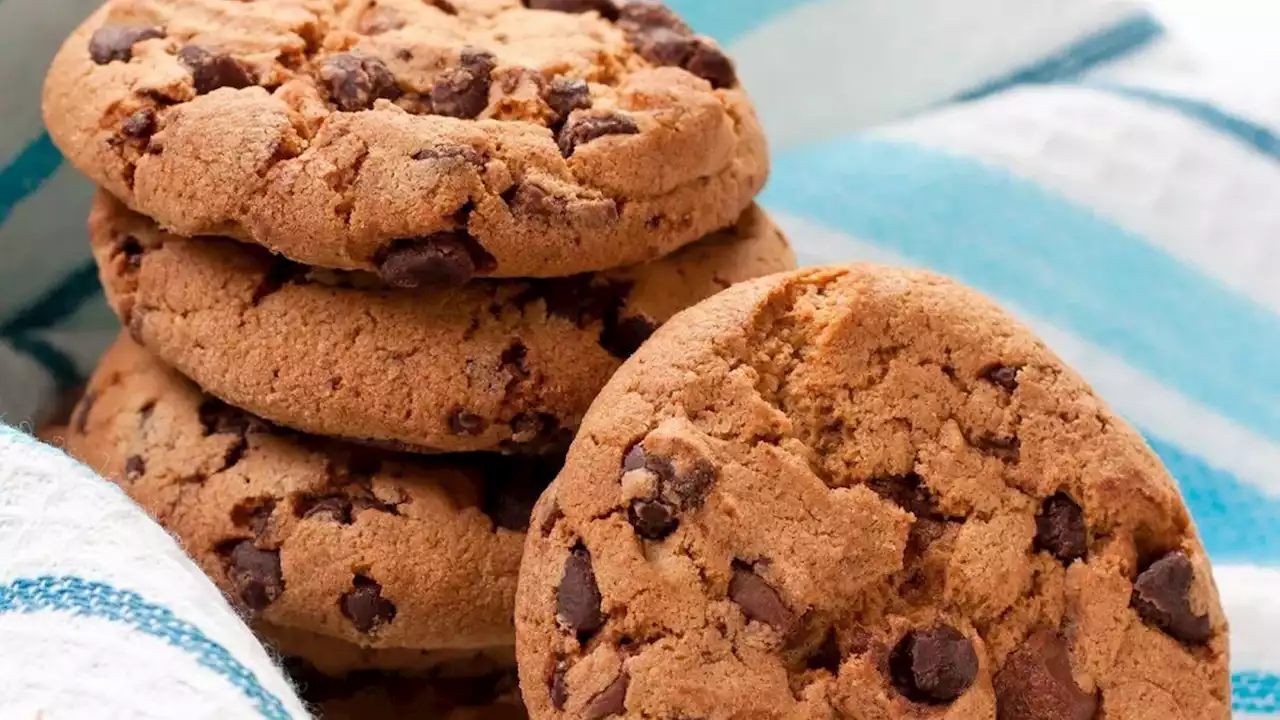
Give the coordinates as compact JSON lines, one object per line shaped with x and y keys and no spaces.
{"x":103,"y":616}
{"x":1068,"y":157}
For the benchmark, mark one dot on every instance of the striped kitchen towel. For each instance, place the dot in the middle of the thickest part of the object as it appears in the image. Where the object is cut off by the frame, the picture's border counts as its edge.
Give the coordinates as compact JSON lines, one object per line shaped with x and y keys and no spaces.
{"x":103,"y":616}
{"x":1067,"y":157}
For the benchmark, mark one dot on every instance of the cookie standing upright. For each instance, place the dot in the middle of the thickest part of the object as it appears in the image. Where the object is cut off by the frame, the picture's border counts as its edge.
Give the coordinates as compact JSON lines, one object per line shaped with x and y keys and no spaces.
{"x":863,"y":493}
{"x":506,"y":365}
{"x":429,"y":141}
{"x":411,"y":560}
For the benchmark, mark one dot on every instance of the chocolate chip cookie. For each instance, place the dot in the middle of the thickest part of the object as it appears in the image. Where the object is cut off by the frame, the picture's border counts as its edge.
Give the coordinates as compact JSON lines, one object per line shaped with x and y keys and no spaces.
{"x":858,"y":492}
{"x":427,"y":140}
{"x":495,"y":364}
{"x":377,"y":550}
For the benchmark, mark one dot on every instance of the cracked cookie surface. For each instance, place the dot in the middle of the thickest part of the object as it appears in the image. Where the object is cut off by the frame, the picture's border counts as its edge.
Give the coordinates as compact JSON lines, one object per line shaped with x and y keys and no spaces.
{"x":859,"y":492}
{"x":378,"y":550}
{"x":428,"y":141}
{"x":495,"y":364}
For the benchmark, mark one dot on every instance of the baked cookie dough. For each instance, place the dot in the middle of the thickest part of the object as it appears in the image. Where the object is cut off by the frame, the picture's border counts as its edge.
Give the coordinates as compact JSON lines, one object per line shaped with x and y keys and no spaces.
{"x":380,"y":551}
{"x":858,"y":492}
{"x":494,"y":365}
{"x":427,"y":140}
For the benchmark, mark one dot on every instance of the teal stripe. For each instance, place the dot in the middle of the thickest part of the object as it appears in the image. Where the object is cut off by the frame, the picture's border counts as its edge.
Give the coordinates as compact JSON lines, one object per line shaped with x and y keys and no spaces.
{"x":1114,"y":43}
{"x":727,"y":24}
{"x":87,"y":598}
{"x":1237,"y":522}
{"x":23,"y":176}
{"x":1255,"y":692}
{"x":58,"y":303}
{"x":1014,"y":240}
{"x":1244,"y":131}
{"x":60,"y":367}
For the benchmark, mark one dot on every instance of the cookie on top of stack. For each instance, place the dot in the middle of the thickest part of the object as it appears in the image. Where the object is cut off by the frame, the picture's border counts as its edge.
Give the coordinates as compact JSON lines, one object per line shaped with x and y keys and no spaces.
{"x":375,"y":260}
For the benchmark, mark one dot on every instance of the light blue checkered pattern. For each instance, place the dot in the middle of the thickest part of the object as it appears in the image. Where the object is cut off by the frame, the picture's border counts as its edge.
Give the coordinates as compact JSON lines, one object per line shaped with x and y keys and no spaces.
{"x":1043,"y":151}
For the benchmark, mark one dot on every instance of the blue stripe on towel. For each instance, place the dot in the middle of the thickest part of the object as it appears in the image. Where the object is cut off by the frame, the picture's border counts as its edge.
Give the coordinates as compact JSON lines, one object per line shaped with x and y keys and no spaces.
{"x":58,"y":303}
{"x":1247,"y":132}
{"x":1109,"y":45}
{"x":86,"y":598}
{"x":1237,"y":523}
{"x":1255,"y":692}
{"x":62,"y":368}
{"x":727,"y":25}
{"x":1059,"y":261}
{"x":26,"y":172}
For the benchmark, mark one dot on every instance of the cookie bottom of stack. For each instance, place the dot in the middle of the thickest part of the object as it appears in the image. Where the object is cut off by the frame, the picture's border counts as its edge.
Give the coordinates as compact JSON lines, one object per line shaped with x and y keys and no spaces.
{"x":506,"y":365}
{"x":391,"y":696}
{"x":410,"y":561}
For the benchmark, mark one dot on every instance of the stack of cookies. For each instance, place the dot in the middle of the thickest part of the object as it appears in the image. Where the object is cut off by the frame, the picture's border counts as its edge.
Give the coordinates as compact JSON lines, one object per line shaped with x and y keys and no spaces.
{"x":375,"y":260}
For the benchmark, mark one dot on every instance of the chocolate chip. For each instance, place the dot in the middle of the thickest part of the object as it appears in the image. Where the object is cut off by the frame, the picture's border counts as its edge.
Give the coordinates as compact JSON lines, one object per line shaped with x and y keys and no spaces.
{"x":354,"y":81}
{"x":513,"y":360}
{"x":445,"y":259}
{"x":1008,"y":449}
{"x":212,"y":70}
{"x":664,"y":46}
{"x":365,"y":607}
{"x":1162,"y":596}
{"x":254,"y":574}
{"x":564,"y":95}
{"x":711,"y":64}
{"x":557,"y":688}
{"x":132,"y":251}
{"x":586,"y":128}
{"x":580,"y":299}
{"x":444,"y":6}
{"x":637,"y":459}
{"x":334,"y":508}
{"x":463,"y":92}
{"x":578,"y":596}
{"x":462,"y":153}
{"x":529,"y":198}
{"x":611,"y":701}
{"x":80,"y":419}
{"x":692,"y":486}
{"x":652,"y":519}
{"x":1001,"y":375}
{"x":140,"y":125}
{"x":636,"y":15}
{"x":114,"y":42}
{"x":657,"y":517}
{"x":1036,"y":683}
{"x":608,"y":9}
{"x":934,"y":666}
{"x":624,"y":337}
{"x":467,"y":424}
{"x":758,"y":600}
{"x":1061,"y":530}
{"x":906,"y":491}
{"x":254,"y":514}
{"x":134,"y":467}
{"x":528,"y":425}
